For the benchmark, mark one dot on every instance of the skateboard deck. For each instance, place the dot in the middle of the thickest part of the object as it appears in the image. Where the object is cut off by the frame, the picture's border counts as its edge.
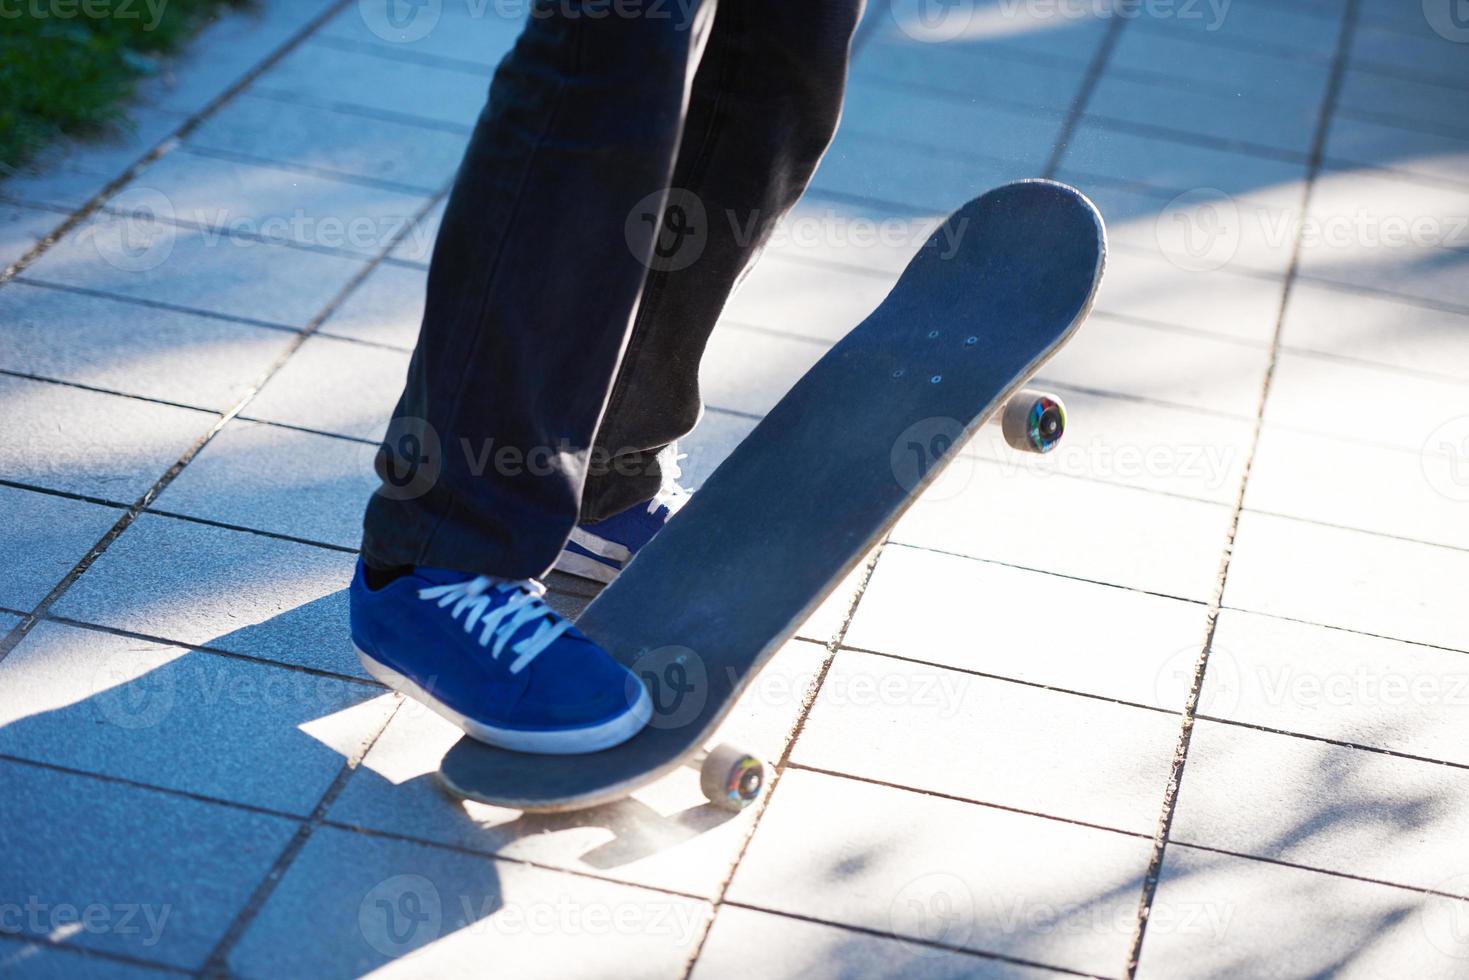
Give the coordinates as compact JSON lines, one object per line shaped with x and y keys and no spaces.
{"x":814,"y":487}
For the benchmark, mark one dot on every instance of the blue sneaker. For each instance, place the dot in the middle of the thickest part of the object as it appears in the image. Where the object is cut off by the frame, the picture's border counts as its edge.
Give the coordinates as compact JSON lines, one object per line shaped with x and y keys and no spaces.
{"x":600,"y":551}
{"x":494,"y":659}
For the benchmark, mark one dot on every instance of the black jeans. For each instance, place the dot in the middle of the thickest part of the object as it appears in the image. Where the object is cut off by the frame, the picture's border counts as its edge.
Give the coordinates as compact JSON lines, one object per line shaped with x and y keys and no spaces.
{"x":629,"y":165}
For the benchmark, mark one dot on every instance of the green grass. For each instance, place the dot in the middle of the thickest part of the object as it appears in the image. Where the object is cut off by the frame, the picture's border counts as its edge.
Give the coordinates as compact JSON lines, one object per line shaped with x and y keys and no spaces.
{"x":67,"y":65}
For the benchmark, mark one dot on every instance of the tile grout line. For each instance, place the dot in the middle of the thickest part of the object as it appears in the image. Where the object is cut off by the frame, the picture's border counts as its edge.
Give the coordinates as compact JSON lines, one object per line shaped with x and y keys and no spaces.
{"x":216,"y":964}
{"x":1077,"y":110}
{"x":1211,"y":620}
{"x":165,"y":145}
{"x":793,"y":734}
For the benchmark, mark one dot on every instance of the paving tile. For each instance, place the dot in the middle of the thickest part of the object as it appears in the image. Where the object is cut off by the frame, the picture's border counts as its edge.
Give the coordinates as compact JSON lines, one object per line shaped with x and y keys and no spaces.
{"x":280,"y":480}
{"x":462,"y":30}
{"x":938,"y":730}
{"x":1043,"y":32}
{"x":133,"y":349}
{"x":1153,"y":447}
{"x":417,"y":245}
{"x":1371,"y":488}
{"x":70,"y":172}
{"x":141,"y":258}
{"x":1433,"y":275}
{"x":45,"y":536}
{"x":1043,"y":891}
{"x":752,"y":944}
{"x":1361,"y":142}
{"x":1386,"y":98}
{"x":385,"y":308}
{"x":877,"y":169}
{"x":1169,"y":164}
{"x":805,"y":299}
{"x":1376,"y":328}
{"x":209,"y":586}
{"x":949,"y":122}
{"x":968,"y":68}
{"x":1161,"y":364}
{"x":21,"y":228}
{"x":665,"y":836}
{"x":124,"y":708}
{"x":1325,"y":806}
{"x":713,"y":439}
{"x":747,"y":370}
{"x":36,"y":961}
{"x":1351,"y":579}
{"x":1390,"y":13}
{"x":230,"y":199}
{"x":350,"y":144}
{"x":331,"y":76}
{"x":1113,"y":643}
{"x":1361,"y":401}
{"x":1173,"y":55}
{"x":747,"y":943}
{"x":335,"y":386}
{"x":866,"y":237}
{"x":1200,"y":230}
{"x":1162,"y":289}
{"x":164,"y":874}
{"x":1385,"y":232}
{"x":225,"y":51}
{"x":1419,"y":51}
{"x":1239,"y":119}
{"x":1301,"y":30}
{"x":1335,"y":684}
{"x":1218,"y":915}
{"x":88,"y":443}
{"x":338,"y":912}
{"x":1080,"y":528}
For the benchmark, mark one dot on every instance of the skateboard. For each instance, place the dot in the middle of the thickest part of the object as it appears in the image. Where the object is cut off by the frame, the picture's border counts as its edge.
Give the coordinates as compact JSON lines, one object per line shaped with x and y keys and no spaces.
{"x":996,"y":291}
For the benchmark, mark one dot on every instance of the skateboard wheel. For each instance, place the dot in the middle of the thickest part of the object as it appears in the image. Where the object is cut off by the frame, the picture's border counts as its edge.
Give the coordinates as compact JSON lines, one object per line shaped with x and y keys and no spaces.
{"x":1033,"y":421}
{"x":731,"y":778}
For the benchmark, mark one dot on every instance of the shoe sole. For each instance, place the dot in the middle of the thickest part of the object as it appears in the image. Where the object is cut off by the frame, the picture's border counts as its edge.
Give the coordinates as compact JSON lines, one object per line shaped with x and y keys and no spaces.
{"x":565,"y":741}
{"x":581,"y":566}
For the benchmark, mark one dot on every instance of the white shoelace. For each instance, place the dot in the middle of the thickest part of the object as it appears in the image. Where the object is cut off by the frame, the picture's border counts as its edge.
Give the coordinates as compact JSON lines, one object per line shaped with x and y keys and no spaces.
{"x":472,"y":597}
{"x":670,"y":495}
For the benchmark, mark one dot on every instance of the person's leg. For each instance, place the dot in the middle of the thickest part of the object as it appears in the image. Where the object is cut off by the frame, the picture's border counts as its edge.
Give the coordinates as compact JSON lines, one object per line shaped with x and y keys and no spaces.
{"x":765,"y":105}
{"x":535,"y":276}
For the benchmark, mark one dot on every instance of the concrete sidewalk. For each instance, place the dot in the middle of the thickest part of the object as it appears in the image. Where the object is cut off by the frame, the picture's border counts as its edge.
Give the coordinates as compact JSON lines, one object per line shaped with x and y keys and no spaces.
{"x":1187,"y":698}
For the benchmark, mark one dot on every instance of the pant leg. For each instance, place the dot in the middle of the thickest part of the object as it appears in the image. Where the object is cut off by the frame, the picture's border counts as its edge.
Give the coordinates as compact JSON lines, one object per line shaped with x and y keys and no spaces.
{"x":765,"y":105}
{"x":535,"y":276}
